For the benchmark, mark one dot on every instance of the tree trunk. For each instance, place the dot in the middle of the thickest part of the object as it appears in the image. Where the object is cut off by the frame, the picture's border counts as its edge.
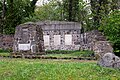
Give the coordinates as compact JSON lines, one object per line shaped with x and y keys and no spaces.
{"x":70,"y":10}
{"x":11,"y":6}
{"x":115,"y":4}
{"x":95,"y":11}
{"x":33,"y":2}
{"x":99,"y":9}
{"x":2,"y":16}
{"x":3,"y":9}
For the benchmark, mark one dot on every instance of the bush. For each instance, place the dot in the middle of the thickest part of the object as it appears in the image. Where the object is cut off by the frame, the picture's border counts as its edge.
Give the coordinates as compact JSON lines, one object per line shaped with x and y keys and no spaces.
{"x":87,"y":53}
{"x":111,"y":28}
{"x":5,"y":50}
{"x":4,"y":53}
{"x":65,"y":53}
{"x":59,"y":51}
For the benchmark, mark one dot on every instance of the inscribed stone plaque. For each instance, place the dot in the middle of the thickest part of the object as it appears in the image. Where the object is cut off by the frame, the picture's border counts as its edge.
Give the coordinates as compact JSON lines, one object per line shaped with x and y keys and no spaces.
{"x":46,"y":40}
{"x":24,"y":47}
{"x":68,"y":39}
{"x":56,"y":39}
{"x":25,"y":30}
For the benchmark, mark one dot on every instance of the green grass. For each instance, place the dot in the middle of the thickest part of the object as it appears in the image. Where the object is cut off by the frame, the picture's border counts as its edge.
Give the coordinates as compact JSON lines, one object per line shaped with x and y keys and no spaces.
{"x":59,"y":54}
{"x":25,"y":69}
{"x":4,"y":52}
{"x":74,"y":54}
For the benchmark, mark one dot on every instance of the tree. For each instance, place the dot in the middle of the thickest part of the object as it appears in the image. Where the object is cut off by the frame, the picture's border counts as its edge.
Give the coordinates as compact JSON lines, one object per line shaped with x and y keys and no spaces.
{"x":58,"y":10}
{"x":33,"y":2}
{"x":115,"y":4}
{"x":3,"y":10}
{"x":50,"y":11}
{"x":0,"y":16}
{"x":111,"y":29}
{"x":99,"y":8}
{"x":14,"y":12}
{"x":70,"y":9}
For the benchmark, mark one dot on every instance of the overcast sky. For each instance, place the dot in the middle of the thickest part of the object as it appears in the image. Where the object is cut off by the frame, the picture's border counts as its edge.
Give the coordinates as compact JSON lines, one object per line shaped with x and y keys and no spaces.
{"x":40,"y":2}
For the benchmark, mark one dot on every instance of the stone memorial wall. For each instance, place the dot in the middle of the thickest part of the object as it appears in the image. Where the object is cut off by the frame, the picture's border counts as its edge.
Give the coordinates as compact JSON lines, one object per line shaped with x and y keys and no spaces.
{"x":60,"y":35}
{"x":6,"y":41}
{"x":57,"y":35}
{"x":29,"y":39}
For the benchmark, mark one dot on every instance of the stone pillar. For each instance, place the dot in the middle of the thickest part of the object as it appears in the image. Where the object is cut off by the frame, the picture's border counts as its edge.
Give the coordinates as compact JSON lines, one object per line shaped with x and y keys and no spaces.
{"x":62,"y":40}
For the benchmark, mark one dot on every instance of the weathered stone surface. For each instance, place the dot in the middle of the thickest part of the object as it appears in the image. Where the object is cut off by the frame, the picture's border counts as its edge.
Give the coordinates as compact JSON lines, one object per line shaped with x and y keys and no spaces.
{"x":97,"y":42}
{"x":6,"y":41}
{"x":92,"y":40}
{"x":61,"y":28}
{"x":28,"y":38}
{"x":109,"y":60}
{"x":102,"y":47}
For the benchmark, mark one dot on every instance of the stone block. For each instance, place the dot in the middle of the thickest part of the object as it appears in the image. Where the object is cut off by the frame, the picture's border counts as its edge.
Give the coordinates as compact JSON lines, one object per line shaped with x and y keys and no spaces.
{"x":28,"y":39}
{"x":109,"y":60}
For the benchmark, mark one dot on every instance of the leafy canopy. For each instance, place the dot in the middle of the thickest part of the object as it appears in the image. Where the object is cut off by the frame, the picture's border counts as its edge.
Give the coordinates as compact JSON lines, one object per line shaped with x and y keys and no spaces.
{"x":111,"y":28}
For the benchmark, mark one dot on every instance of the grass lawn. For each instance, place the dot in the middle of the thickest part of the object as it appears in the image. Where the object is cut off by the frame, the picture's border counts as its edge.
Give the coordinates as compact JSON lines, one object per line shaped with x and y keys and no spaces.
{"x":38,"y":69}
{"x":74,"y":54}
{"x":4,"y":52}
{"x":60,"y":54}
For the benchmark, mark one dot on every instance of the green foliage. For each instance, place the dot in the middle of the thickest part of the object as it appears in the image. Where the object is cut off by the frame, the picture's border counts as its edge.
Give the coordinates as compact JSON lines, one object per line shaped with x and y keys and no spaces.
{"x":111,"y":28}
{"x":0,"y":8}
{"x":70,"y":9}
{"x":20,"y":11}
{"x":49,"y":11}
{"x":67,"y":54}
{"x":100,"y":8}
{"x":15,"y":14}
{"x":24,"y":69}
{"x":87,"y":53}
{"x":84,"y":16}
{"x":59,"y":11}
{"x":4,"y":52}
{"x":60,"y":51}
